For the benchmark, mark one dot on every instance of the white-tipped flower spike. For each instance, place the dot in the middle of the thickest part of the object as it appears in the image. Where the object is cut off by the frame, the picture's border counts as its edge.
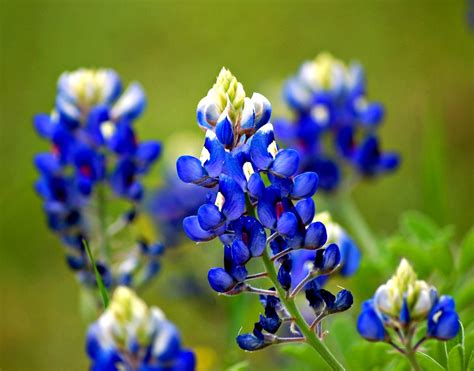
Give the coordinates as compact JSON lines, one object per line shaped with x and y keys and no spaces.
{"x":227,"y":111}
{"x":82,"y":90}
{"x":403,"y":289}
{"x":131,"y":335}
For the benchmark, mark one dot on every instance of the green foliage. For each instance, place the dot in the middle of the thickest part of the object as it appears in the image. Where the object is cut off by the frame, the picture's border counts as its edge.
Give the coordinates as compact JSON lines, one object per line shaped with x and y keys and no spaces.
{"x":100,"y":283}
{"x":436,"y":258}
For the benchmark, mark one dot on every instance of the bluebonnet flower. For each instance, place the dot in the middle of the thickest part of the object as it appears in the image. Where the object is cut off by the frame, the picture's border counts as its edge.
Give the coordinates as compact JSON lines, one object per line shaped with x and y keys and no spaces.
{"x":172,"y":202}
{"x":334,"y":125}
{"x":131,"y":336}
{"x":401,"y":305}
{"x":95,"y":155}
{"x":303,"y":260}
{"x":260,"y":201}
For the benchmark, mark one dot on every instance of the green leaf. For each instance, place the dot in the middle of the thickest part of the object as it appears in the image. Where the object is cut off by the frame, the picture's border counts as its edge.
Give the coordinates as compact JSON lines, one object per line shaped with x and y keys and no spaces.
{"x":304,"y":354}
{"x":466,"y":258}
{"x":470,"y":363}
{"x":240,"y":366}
{"x":427,"y":363}
{"x":442,"y":353}
{"x":419,"y":226}
{"x":455,"y":359}
{"x":100,"y":283}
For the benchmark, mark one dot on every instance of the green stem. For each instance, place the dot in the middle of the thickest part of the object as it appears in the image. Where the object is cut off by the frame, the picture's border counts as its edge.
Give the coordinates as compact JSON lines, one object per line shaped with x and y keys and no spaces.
{"x":292,"y":309}
{"x":410,"y":354}
{"x":102,"y":215}
{"x":345,"y":207}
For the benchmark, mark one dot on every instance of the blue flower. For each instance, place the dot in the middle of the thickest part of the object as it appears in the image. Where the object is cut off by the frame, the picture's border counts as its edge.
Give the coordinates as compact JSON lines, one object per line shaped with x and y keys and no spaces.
{"x":261,"y":201}
{"x":94,"y":154}
{"x":370,"y":323}
{"x":402,"y":304}
{"x":334,"y":123}
{"x":130,"y":335}
{"x":268,"y":324}
{"x":443,"y":321}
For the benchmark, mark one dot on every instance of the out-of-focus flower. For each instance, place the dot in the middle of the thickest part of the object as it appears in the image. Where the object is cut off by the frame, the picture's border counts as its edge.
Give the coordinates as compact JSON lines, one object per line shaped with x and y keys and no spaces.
{"x":131,"y":336}
{"x":401,"y":305}
{"x":334,"y":125}
{"x":94,"y":156}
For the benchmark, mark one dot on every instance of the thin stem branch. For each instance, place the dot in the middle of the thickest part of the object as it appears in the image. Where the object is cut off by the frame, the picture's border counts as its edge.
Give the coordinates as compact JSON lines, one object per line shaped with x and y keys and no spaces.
{"x":256,"y":290}
{"x":292,"y":309}
{"x":256,"y":275}
{"x":272,"y":237}
{"x":419,"y":342}
{"x":396,"y":347}
{"x":301,"y":285}
{"x":317,"y":320}
{"x":281,"y":254}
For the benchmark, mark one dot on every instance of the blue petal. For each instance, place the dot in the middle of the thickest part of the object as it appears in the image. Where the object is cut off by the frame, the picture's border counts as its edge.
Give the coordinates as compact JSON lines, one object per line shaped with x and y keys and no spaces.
{"x":306,"y":210}
{"x":266,"y":212}
{"x":240,"y":253}
{"x":220,"y":280}
{"x":257,"y":237}
{"x":316,"y":236}
{"x":216,"y":151}
{"x":328,"y":259}
{"x":255,"y":185}
{"x":259,"y":147}
{"x":123,"y":141}
{"x":190,"y":170}
{"x":372,"y":114}
{"x":343,"y":302}
{"x":305,"y":185}
{"x":297,"y":95}
{"x":389,"y":161}
{"x":193,"y":230}
{"x":186,"y":361}
{"x":167,"y":342}
{"x":207,"y":113}
{"x":250,"y":342}
{"x":224,"y":130}
{"x":287,"y":224}
{"x":328,"y":173}
{"x":247,"y":122}
{"x":148,"y":151}
{"x":47,"y":164}
{"x":351,"y":256}
{"x":286,"y":163}
{"x":262,"y":109}
{"x":43,"y":125}
{"x":369,"y":324}
{"x":404,"y":313}
{"x":209,"y":217}
{"x":234,"y":204}
{"x":446,"y":327}
{"x":131,"y":104}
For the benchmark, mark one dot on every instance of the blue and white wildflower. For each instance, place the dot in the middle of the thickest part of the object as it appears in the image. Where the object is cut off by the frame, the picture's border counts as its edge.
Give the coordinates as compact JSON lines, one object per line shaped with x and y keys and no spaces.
{"x":131,"y":336}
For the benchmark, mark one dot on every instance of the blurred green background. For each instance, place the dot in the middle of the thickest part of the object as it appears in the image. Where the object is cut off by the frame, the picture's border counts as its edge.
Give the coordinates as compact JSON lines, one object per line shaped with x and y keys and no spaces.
{"x":419,"y":59}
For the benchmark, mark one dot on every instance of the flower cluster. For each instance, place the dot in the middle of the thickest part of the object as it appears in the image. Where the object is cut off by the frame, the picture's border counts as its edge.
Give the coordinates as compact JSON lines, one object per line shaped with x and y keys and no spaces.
{"x":334,"y":124}
{"x":258,"y":191}
{"x":94,"y":156}
{"x":131,"y":336}
{"x":401,"y":306}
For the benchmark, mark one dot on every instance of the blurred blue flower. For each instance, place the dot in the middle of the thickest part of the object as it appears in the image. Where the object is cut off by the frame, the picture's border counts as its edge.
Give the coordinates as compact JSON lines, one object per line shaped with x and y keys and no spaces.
{"x":172,"y":202}
{"x":404,"y":303}
{"x":94,"y":155}
{"x":131,"y":336}
{"x":334,"y":125}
